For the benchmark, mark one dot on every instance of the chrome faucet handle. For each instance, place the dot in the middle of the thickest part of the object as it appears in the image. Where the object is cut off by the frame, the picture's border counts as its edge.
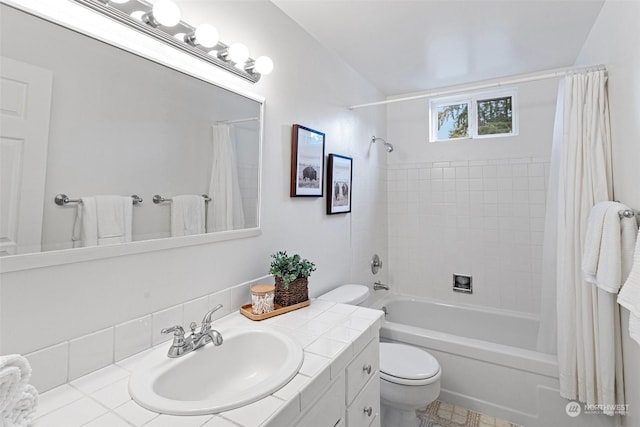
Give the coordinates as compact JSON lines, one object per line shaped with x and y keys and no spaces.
{"x":178,"y":335}
{"x":177,"y":330}
{"x":206,"y":320}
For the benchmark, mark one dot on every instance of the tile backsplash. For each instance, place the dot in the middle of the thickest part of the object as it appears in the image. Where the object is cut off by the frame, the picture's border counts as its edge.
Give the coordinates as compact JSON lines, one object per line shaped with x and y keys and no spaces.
{"x":482,"y":218}
{"x":63,"y":362}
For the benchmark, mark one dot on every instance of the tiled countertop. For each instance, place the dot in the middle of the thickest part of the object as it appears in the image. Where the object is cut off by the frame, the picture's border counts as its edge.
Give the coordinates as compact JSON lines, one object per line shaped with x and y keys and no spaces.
{"x":330,"y":334}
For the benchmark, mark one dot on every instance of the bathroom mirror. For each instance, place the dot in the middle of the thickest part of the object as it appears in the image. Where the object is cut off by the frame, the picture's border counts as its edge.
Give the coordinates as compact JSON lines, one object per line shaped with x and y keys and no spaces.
{"x":119,"y":124}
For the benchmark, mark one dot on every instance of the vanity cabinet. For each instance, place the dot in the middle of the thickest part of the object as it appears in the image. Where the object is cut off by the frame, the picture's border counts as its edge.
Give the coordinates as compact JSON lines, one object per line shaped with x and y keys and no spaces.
{"x":353,"y":398}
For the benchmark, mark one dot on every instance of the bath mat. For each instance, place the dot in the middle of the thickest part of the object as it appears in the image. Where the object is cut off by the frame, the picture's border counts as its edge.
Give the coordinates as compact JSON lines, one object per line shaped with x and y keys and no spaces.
{"x":441,"y":414}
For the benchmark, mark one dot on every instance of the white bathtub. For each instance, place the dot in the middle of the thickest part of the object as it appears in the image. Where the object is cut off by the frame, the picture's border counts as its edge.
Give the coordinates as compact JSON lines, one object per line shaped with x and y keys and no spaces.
{"x":488,"y":359}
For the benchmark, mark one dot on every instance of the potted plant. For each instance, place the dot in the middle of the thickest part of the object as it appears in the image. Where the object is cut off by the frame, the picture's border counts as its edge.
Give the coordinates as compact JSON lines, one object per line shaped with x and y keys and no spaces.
{"x":291,"y":274}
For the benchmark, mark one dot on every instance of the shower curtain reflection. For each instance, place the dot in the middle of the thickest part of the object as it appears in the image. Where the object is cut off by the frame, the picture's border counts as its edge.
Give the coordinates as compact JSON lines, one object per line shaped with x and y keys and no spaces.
{"x":225,"y":210}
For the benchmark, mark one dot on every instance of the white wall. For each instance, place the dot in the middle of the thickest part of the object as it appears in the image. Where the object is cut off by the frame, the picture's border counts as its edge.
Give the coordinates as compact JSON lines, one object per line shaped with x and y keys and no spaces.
{"x":614,"y":41}
{"x":309,"y":86}
{"x":471,"y":206}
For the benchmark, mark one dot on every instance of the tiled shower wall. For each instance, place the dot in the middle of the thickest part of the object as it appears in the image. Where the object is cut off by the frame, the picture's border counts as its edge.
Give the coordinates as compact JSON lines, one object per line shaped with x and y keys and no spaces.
{"x":484,"y":218}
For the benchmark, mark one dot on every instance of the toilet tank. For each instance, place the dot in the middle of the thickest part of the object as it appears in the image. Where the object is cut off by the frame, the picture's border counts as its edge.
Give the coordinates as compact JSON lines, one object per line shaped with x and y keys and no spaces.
{"x":347,"y":294}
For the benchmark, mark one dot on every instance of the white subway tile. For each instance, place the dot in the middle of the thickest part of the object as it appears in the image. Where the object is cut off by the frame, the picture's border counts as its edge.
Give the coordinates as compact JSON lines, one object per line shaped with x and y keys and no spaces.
{"x":90,"y":352}
{"x":49,"y":366}
{"x":55,"y":399}
{"x":165,"y":319}
{"x":135,"y":414}
{"x":194,"y":310}
{"x":99,"y":379}
{"x":113,"y":395}
{"x":132,"y":337}
{"x":75,"y":414}
{"x":255,"y":413}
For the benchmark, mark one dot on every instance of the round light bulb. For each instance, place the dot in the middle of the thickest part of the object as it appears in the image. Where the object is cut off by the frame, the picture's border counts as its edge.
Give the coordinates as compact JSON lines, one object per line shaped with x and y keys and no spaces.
{"x":263,"y":65}
{"x":238,"y":53}
{"x":207,"y":35}
{"x":166,"y":13}
{"x":118,"y":1}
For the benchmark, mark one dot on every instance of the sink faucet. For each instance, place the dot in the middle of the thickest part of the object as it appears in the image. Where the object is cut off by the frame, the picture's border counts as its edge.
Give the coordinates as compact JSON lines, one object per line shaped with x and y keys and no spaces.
{"x":183,"y":345}
{"x":380,"y":286}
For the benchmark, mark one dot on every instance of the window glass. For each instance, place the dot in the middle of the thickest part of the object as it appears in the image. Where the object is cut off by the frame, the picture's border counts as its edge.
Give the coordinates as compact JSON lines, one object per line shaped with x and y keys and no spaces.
{"x":495,"y":116}
{"x":453,"y":121}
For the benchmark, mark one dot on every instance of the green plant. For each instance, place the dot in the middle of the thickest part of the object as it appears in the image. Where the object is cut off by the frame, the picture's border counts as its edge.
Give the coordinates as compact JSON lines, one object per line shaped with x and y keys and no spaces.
{"x":290,"y":268}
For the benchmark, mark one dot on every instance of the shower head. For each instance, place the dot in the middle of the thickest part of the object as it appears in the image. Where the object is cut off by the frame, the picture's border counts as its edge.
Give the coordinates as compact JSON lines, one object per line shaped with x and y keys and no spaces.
{"x":387,"y":146}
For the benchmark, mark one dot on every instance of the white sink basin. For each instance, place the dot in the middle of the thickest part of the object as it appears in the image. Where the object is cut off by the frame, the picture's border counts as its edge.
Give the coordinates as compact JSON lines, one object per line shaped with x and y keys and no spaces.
{"x":249,"y":365}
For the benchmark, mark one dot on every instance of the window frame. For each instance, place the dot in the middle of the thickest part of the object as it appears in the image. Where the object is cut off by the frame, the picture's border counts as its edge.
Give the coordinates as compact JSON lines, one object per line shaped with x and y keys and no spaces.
{"x":471,"y":99}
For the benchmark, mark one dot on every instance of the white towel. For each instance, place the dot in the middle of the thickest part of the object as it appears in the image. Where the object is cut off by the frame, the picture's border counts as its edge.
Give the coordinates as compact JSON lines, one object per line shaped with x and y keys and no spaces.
{"x":608,"y":239}
{"x":103,"y":220}
{"x":15,"y":373}
{"x":187,"y":215}
{"x":24,"y":408}
{"x":629,"y":296}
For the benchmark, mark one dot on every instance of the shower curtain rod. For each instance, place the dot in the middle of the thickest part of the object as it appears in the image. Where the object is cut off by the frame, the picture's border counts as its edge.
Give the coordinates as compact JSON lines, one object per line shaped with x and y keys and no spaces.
{"x":230,"y":122}
{"x":549,"y":74}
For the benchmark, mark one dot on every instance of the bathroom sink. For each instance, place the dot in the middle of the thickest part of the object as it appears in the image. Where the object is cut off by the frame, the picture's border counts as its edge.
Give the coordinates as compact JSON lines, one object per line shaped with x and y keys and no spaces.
{"x":249,"y":365}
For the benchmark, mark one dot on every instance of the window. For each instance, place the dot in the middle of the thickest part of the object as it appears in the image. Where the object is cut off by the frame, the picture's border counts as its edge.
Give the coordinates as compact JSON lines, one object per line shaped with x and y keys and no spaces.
{"x":474,"y":115}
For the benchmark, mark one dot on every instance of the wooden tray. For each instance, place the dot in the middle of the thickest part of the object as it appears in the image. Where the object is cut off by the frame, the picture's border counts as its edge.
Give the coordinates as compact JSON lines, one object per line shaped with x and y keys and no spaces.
{"x":246,"y":310}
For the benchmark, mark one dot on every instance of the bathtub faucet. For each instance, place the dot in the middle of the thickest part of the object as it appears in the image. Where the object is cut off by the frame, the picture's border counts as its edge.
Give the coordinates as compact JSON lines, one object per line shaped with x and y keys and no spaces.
{"x":380,"y":286}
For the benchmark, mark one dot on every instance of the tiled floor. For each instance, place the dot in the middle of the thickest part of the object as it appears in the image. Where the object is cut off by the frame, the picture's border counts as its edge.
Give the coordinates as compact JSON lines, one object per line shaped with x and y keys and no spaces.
{"x":441,"y":414}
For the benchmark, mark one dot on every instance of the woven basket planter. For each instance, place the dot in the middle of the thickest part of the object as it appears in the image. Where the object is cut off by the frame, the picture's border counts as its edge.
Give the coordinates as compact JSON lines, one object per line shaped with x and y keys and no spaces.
{"x":297,"y":292}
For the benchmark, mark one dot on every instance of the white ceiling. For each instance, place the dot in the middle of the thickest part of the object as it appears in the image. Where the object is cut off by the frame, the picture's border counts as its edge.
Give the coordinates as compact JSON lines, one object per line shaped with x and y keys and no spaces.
{"x":407,"y":46}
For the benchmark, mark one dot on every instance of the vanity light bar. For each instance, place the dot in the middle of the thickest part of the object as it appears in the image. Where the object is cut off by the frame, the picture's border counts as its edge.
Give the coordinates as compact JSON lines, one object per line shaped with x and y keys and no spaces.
{"x":124,"y":13}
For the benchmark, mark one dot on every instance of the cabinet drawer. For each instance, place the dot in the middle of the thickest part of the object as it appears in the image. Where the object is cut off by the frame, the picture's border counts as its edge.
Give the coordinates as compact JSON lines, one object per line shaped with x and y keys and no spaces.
{"x":362,"y":368}
{"x":365,"y":409}
{"x":328,"y":410}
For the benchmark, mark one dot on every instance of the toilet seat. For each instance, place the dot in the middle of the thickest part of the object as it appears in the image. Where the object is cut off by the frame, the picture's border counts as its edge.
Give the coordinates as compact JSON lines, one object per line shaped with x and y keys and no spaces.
{"x":407,"y":365}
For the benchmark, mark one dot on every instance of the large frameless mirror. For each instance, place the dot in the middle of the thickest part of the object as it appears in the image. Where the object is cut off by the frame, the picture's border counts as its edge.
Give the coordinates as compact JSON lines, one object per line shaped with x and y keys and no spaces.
{"x":83,"y":119}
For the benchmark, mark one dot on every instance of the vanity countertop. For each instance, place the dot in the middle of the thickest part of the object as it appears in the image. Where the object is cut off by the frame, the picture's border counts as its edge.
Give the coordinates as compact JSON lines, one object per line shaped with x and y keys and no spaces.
{"x":330,"y":334}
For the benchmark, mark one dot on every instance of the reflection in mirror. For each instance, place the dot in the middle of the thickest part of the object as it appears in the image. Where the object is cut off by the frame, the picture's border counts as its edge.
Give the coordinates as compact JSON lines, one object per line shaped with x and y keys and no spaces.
{"x":86,"y":119}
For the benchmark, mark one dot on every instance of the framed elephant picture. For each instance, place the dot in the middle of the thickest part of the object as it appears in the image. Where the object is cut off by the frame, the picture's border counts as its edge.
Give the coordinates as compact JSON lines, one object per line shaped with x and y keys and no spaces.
{"x":307,"y":162}
{"x":339,"y":174}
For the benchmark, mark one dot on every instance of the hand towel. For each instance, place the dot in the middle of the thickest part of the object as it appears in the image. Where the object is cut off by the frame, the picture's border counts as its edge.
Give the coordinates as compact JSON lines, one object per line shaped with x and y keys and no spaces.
{"x":115,"y":217}
{"x":15,"y":373}
{"x":24,"y":407}
{"x":85,"y":229}
{"x":187,"y":215}
{"x":592,"y":240}
{"x":629,"y":296}
{"x":103,"y":220}
{"x":608,"y":240}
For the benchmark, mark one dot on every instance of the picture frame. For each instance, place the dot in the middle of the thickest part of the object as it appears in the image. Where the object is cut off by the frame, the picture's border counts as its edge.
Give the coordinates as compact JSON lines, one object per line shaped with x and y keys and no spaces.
{"x":307,"y":162}
{"x":339,"y":184}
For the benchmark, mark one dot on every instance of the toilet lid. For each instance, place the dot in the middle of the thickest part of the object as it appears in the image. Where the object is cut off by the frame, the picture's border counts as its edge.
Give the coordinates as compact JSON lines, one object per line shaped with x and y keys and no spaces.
{"x":347,"y":294}
{"x":405,"y":362}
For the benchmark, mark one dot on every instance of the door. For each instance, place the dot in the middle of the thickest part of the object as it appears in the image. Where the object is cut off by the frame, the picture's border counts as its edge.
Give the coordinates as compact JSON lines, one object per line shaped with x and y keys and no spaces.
{"x":25,"y":103}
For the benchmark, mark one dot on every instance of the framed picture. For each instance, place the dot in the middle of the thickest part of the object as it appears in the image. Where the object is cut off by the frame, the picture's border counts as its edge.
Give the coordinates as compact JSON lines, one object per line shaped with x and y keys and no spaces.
{"x":339,"y":173}
{"x":307,"y":162}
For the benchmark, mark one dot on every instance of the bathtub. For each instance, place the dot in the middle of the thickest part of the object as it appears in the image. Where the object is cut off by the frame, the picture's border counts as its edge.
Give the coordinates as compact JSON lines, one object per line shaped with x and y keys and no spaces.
{"x":488,"y":359}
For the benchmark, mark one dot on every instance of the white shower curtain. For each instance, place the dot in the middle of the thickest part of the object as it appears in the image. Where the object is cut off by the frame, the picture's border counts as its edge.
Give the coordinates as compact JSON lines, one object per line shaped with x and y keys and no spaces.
{"x":589,"y":339}
{"x":225,"y":210}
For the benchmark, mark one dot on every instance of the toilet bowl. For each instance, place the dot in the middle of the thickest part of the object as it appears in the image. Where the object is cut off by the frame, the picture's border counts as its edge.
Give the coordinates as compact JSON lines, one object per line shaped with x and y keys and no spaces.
{"x":409,"y":376}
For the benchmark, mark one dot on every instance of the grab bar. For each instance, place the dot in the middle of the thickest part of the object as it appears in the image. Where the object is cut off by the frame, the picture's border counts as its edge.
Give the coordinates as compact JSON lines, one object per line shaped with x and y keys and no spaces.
{"x":157,"y":199}
{"x":63,"y":199}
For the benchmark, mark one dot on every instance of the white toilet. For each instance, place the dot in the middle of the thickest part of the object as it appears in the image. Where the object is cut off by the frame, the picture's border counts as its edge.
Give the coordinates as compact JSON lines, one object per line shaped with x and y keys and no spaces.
{"x":409,"y":376}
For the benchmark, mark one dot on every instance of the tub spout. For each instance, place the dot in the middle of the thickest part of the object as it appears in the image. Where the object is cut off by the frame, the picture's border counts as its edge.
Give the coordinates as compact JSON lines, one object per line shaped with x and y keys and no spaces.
{"x":380,"y":286}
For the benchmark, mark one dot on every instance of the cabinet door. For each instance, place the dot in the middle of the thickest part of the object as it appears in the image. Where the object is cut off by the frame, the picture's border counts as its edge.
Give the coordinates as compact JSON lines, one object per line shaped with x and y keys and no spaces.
{"x":362,"y":369}
{"x":328,"y":410}
{"x":365,"y":409}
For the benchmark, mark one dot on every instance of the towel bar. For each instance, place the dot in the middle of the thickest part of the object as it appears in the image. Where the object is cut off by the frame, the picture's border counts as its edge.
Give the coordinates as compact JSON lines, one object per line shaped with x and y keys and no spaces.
{"x":63,"y":199}
{"x":628,"y":213}
{"x":157,"y":199}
